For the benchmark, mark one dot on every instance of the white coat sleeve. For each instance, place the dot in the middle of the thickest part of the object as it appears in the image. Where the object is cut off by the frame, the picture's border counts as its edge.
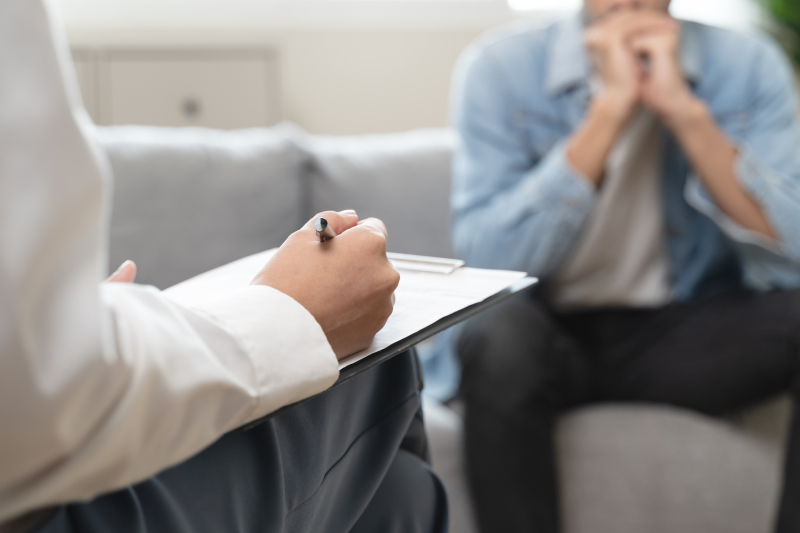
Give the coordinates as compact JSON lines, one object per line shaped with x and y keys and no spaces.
{"x":103,"y":385}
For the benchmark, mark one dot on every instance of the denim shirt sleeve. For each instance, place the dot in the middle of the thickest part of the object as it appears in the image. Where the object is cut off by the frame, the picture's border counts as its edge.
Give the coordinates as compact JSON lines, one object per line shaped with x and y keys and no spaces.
{"x":511,"y":209}
{"x":768,"y":167}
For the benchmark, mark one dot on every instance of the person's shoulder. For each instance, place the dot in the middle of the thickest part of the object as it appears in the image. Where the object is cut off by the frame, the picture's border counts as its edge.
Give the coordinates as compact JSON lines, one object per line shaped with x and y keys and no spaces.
{"x":512,"y":43}
{"x":728,"y":52}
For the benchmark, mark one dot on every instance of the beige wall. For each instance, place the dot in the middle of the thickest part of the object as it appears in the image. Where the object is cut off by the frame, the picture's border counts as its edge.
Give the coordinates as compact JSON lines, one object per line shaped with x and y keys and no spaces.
{"x":361,"y":82}
{"x":337,"y":81}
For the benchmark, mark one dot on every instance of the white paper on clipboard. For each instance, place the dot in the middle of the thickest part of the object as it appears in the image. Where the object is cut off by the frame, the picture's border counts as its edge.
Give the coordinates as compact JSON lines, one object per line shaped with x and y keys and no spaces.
{"x":422,"y":298}
{"x":421,"y":263}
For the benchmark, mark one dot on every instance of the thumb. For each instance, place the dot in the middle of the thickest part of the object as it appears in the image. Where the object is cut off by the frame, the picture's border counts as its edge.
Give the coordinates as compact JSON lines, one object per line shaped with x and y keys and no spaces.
{"x":126,"y":273}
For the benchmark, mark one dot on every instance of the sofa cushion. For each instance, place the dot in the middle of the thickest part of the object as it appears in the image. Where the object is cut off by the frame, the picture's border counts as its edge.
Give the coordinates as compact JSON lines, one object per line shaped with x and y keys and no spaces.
{"x":633,"y":468}
{"x":189,"y":199}
{"x":401,"y":178}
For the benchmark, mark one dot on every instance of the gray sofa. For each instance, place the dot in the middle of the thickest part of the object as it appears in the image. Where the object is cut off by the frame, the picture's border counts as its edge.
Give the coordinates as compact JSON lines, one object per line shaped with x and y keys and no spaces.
{"x":187,"y":200}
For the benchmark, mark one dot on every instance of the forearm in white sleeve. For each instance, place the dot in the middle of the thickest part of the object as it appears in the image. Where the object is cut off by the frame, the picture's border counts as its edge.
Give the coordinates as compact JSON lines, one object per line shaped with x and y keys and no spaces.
{"x":103,"y":385}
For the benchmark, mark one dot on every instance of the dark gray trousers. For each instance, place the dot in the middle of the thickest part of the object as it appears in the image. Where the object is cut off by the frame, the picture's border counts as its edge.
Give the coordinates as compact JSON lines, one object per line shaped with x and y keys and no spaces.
{"x":348,"y":460}
{"x":524,"y":364}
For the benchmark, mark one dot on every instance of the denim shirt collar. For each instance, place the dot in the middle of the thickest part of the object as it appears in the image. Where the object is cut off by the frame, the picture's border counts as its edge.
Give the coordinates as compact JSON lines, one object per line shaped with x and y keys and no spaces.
{"x":569,"y":66}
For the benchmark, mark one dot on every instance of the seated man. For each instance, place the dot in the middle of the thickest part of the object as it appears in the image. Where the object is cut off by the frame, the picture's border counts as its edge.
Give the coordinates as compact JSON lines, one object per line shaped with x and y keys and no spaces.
{"x":119,"y":408}
{"x":648,"y":171}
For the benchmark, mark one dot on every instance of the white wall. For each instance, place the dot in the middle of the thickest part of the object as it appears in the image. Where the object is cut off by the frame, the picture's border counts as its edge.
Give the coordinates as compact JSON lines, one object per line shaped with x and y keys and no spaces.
{"x":361,"y":82}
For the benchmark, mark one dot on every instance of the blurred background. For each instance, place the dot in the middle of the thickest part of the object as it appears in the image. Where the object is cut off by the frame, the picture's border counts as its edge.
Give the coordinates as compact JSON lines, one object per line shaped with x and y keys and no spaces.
{"x":330,"y":66}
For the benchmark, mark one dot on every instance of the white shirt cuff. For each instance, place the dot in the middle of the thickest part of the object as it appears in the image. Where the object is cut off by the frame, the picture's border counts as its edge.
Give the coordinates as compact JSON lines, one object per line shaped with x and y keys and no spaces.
{"x":292,"y":359}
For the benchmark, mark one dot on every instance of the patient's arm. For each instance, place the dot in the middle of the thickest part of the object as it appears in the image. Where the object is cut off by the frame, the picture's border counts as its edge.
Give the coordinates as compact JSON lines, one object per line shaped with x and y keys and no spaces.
{"x":620,"y":73}
{"x":712,"y":155}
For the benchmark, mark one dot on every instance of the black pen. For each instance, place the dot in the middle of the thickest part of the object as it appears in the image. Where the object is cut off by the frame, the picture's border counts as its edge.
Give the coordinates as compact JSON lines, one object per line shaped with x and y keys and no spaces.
{"x":324,"y":231}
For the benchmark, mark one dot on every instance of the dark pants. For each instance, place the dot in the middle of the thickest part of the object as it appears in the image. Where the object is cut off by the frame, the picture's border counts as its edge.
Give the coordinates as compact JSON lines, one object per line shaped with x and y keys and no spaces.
{"x":347,"y":460}
{"x":524,"y":364}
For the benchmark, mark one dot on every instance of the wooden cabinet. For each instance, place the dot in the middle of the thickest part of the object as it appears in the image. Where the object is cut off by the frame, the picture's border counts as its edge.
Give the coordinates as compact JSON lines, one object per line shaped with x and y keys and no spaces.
{"x":219,"y":89}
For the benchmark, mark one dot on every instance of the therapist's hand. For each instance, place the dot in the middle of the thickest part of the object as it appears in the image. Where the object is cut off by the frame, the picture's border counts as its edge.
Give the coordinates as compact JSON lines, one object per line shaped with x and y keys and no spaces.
{"x":346,"y":283}
{"x":126,"y":273}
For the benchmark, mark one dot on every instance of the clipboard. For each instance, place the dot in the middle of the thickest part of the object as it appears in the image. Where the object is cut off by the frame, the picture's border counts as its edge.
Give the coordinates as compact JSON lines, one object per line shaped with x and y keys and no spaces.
{"x":412,"y":340}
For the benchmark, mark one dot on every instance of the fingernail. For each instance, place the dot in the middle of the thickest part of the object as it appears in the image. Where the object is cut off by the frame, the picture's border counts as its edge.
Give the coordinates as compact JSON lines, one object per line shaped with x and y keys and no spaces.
{"x":347,"y":212}
{"x":122,"y":266}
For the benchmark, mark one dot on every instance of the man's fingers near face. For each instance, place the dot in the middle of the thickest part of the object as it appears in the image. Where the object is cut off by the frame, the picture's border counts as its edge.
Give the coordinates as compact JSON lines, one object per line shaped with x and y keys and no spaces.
{"x":633,"y":16}
{"x":663,"y":38}
{"x":624,"y":25}
{"x":619,"y":33}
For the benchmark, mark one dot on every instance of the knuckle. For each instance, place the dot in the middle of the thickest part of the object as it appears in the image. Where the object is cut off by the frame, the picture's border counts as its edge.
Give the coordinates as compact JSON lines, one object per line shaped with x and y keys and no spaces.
{"x":379,"y":242}
{"x":294,"y":236}
{"x":374,"y":240}
{"x":386,"y":311}
{"x":368,"y":340}
{"x":377,"y":222}
{"x":393,"y":279}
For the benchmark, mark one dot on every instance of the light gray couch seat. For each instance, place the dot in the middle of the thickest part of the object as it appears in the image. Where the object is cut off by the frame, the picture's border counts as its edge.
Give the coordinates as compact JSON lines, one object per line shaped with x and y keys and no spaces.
{"x":644,"y":468}
{"x":659,"y":469}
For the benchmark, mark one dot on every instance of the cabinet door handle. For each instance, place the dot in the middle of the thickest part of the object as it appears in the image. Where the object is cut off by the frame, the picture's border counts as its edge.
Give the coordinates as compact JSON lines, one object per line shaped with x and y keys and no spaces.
{"x":191,"y":107}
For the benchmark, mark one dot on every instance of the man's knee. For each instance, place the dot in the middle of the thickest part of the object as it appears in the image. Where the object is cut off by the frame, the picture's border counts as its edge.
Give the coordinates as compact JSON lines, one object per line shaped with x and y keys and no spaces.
{"x":776,"y":311}
{"x":410,"y":499}
{"x":508,"y":347}
{"x":790,"y":303}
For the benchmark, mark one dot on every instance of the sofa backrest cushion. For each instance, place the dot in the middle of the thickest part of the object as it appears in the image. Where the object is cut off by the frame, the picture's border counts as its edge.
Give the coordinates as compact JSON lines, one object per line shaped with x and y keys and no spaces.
{"x":401,"y":178}
{"x":189,"y":199}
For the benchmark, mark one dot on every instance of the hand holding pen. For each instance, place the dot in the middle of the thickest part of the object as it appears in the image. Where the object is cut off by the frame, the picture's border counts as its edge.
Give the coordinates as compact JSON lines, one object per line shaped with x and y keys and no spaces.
{"x":346,"y":283}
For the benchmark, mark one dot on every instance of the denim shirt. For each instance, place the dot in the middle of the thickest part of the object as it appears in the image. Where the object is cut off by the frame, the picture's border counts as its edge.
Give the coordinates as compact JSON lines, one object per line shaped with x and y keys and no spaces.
{"x":517,"y":203}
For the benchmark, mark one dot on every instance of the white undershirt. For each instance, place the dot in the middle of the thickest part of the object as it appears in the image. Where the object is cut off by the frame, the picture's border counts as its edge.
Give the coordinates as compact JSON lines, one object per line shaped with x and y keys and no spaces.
{"x":620,"y":257}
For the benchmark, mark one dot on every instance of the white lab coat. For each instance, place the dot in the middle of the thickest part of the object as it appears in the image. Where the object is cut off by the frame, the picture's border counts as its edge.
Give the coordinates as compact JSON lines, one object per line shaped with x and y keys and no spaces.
{"x":103,"y":385}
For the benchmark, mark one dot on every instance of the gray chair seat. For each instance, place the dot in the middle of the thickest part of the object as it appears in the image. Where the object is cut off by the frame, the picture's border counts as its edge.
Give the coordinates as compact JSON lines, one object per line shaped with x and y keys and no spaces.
{"x":645,"y":468}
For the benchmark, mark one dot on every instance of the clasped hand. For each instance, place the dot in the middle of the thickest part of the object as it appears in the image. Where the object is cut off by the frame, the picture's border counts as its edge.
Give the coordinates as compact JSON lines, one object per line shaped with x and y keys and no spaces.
{"x":636,"y":55}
